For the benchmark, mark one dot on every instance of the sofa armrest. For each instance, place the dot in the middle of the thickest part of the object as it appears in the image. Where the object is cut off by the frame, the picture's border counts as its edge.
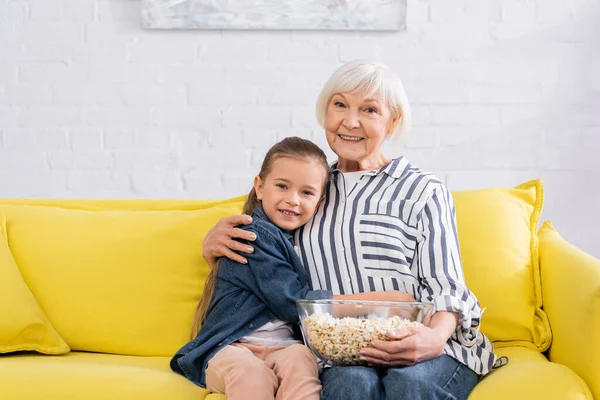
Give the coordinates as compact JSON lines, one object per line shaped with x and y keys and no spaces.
{"x":571,"y":298}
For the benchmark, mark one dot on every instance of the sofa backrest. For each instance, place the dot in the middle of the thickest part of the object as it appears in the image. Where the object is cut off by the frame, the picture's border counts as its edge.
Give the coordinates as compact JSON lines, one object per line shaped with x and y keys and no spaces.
{"x":123,"y":280}
{"x":125,"y":276}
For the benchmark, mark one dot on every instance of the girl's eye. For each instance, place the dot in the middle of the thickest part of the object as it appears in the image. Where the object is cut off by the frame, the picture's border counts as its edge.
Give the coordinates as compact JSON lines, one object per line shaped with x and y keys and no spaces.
{"x":308,"y":193}
{"x":281,"y":186}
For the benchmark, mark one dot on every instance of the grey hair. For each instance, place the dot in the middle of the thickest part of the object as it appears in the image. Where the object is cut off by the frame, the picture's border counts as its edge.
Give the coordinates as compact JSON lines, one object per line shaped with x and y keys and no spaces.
{"x":368,"y":79}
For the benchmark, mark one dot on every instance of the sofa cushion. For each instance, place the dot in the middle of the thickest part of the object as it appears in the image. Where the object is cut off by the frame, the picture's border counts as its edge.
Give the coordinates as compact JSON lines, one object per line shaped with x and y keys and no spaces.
{"x":529,"y":375}
{"x":23,"y":324}
{"x":499,"y":250}
{"x":113,"y":281}
{"x":93,"y":377}
{"x":571,"y":288}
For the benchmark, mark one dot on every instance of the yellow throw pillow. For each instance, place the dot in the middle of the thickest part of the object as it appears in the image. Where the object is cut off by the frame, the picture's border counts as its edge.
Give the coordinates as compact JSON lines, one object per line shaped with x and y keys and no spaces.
{"x":499,"y":250}
{"x":23,"y":324}
{"x":123,"y":282}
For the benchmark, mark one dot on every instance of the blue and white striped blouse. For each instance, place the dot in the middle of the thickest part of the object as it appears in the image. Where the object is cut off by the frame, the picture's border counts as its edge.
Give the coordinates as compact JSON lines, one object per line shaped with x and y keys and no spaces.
{"x":395,"y":229}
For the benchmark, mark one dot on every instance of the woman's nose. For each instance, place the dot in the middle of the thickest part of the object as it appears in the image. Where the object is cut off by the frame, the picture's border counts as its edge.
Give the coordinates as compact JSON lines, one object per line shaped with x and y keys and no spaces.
{"x":350,"y":120}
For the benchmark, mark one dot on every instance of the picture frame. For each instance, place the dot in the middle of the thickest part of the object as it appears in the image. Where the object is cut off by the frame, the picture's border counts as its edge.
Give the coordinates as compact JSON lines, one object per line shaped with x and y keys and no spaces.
{"x":275,"y":14}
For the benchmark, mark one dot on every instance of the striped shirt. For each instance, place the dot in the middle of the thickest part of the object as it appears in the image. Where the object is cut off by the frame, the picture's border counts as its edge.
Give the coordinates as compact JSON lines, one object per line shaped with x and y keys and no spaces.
{"x":395,"y":229}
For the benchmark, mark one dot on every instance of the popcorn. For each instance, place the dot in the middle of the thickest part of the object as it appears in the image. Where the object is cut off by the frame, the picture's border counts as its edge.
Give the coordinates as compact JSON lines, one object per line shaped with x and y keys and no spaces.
{"x":339,"y":340}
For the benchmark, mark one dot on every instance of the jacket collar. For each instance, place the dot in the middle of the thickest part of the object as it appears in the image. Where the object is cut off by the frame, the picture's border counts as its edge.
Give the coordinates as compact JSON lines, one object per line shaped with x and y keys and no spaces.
{"x":259,"y":214}
{"x":394,"y":169}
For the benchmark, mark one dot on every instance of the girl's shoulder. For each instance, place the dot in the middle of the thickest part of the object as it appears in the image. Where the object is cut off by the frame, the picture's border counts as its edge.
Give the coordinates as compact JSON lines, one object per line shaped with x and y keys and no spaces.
{"x":266,"y":233}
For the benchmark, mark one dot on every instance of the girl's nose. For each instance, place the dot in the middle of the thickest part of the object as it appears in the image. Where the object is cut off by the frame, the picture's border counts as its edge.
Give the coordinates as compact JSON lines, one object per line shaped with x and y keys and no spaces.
{"x":293,"y":199}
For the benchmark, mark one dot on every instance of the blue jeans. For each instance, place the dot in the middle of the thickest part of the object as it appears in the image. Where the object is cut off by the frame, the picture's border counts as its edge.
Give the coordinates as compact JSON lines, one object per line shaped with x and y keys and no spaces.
{"x":440,"y":378}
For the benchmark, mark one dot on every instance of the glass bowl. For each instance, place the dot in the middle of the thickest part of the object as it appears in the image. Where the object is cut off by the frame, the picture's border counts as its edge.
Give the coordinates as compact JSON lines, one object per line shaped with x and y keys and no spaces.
{"x":336,"y":330}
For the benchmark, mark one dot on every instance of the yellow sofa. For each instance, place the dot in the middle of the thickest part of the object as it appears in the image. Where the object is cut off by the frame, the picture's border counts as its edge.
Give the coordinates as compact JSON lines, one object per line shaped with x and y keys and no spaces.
{"x":96,"y":295}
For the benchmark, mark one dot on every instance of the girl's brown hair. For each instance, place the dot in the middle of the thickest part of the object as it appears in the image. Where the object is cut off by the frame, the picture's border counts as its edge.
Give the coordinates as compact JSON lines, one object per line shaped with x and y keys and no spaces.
{"x":289,"y":147}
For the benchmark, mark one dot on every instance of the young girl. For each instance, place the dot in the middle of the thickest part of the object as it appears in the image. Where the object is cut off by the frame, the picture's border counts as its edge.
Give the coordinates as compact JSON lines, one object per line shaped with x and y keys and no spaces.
{"x":248,"y":345}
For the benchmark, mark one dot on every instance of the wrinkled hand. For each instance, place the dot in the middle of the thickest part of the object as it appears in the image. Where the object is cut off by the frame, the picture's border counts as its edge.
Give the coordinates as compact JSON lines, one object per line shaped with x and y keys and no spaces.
{"x":219,"y":240}
{"x":407,"y":347}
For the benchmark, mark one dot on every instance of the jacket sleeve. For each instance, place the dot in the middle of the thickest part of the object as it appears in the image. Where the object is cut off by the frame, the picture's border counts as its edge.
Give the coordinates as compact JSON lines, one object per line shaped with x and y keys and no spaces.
{"x":440,"y":267}
{"x":271,"y":277}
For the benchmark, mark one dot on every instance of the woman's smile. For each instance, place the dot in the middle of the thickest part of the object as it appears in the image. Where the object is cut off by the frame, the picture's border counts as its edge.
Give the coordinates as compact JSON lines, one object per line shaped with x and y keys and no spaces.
{"x":350,"y":139}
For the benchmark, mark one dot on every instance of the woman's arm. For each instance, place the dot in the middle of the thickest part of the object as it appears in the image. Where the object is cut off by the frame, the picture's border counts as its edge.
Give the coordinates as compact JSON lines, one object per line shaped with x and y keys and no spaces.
{"x":343,"y":310}
{"x":455,"y":308}
{"x":220,"y":240}
{"x":439,"y":263}
{"x":391,"y":295}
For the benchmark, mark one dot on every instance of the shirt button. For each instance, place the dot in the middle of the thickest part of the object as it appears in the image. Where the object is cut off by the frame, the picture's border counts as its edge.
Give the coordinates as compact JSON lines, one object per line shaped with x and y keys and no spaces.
{"x":348,"y":280}
{"x":250,"y":326}
{"x":220,"y":344}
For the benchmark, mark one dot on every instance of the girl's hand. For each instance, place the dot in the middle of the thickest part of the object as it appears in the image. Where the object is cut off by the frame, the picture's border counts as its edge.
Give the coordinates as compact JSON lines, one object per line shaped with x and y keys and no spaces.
{"x":219,"y":240}
{"x":407,"y":347}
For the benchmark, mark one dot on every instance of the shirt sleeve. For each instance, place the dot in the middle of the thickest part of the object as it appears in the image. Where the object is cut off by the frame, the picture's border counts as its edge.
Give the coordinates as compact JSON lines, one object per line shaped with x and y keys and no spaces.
{"x":271,"y":277}
{"x":440,"y":268}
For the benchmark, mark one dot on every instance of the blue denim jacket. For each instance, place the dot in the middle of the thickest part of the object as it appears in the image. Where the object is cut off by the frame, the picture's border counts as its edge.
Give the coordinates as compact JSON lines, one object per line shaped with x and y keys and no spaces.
{"x":247,"y":296}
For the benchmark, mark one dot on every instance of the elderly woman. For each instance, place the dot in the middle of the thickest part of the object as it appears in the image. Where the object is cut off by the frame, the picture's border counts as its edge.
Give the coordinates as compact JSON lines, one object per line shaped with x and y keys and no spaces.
{"x":386,"y":230}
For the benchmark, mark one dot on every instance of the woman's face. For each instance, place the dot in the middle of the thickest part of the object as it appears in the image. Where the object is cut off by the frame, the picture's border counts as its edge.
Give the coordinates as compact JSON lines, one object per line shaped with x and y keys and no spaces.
{"x":356,"y":127}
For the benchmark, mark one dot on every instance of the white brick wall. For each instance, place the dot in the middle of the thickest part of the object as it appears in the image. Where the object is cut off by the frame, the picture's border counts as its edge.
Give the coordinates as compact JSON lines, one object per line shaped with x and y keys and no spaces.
{"x":92,"y":106}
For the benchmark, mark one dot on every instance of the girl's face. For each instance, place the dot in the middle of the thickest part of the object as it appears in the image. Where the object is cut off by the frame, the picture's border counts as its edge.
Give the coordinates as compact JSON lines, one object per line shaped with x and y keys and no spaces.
{"x":356,"y":127}
{"x":290,"y":193}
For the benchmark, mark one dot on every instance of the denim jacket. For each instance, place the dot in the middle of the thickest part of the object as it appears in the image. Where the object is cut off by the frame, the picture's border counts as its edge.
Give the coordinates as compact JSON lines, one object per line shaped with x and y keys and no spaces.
{"x":247,"y":296}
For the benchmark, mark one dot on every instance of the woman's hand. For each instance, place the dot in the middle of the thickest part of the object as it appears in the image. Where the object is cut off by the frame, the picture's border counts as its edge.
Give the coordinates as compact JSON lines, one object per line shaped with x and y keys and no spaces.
{"x":407,"y":347}
{"x":389,"y":295}
{"x":413,"y":345}
{"x":219,"y":240}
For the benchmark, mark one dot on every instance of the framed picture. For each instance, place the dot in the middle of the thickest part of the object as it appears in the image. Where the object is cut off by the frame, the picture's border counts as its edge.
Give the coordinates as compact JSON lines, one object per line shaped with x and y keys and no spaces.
{"x":274,"y":14}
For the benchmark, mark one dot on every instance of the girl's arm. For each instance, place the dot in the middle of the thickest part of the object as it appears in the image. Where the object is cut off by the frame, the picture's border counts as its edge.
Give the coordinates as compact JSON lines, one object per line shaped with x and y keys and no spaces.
{"x":270,"y":276}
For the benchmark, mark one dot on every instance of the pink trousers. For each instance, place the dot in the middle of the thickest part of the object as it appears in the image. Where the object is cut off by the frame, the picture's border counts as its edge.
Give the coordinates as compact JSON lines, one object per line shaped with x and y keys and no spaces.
{"x":256,"y":371}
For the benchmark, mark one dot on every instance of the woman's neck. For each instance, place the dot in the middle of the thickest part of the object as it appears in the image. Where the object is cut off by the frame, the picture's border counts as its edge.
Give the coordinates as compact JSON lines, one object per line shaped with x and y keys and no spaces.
{"x":362,"y":165}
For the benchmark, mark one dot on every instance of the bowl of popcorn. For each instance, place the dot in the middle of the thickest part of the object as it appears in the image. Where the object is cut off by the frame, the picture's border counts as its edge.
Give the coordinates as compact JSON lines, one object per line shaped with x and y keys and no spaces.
{"x":336,"y":330}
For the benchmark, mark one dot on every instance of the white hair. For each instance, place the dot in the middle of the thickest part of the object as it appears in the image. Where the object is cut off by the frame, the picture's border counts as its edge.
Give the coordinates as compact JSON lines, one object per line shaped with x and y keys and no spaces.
{"x":368,"y":79}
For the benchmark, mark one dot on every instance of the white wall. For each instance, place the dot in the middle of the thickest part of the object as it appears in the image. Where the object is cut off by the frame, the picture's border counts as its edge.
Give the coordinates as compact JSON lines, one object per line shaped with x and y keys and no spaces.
{"x":93,"y":106}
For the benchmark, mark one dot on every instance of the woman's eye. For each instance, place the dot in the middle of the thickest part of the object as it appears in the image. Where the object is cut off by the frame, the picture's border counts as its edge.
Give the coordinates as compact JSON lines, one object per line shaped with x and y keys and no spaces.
{"x":338,"y":104}
{"x":371,"y":110}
